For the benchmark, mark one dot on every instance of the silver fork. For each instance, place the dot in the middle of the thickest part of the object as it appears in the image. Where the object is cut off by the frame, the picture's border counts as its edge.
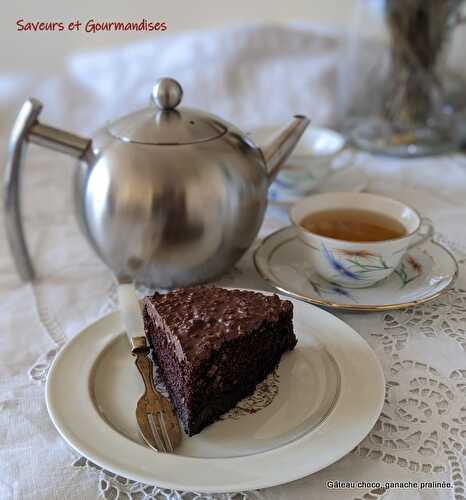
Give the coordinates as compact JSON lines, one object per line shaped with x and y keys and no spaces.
{"x":157,"y":421}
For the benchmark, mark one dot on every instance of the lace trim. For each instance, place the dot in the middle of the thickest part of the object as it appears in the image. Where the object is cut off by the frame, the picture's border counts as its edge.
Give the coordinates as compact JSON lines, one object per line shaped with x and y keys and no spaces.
{"x":444,"y":316}
{"x":38,"y":372}
{"x":114,"y":487}
{"x":48,"y":321}
{"x":375,"y":494}
{"x":417,"y":394}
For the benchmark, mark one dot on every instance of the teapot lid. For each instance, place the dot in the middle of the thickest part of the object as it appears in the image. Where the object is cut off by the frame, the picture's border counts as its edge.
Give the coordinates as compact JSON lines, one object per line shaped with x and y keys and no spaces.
{"x":162,"y":124}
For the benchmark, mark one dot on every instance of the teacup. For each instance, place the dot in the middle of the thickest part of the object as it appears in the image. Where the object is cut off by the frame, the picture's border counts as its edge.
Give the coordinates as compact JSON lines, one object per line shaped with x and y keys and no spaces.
{"x":310,"y":164}
{"x":358,"y":264}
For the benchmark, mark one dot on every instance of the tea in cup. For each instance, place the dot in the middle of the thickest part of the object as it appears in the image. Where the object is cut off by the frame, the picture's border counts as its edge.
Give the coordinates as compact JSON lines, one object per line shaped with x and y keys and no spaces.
{"x":357,"y":239}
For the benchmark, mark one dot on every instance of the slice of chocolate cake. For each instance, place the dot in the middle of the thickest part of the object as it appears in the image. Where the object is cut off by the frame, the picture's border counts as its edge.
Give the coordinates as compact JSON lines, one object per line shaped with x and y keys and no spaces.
{"x":214,"y":345}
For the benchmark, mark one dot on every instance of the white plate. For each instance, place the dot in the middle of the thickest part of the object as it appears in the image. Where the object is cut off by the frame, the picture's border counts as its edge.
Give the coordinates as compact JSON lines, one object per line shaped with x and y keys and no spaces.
{"x":329,"y":395}
{"x":425,"y":273}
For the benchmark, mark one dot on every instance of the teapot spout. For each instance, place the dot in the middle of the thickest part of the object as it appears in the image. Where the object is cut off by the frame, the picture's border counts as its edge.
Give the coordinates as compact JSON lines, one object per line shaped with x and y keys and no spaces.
{"x":277,"y":152}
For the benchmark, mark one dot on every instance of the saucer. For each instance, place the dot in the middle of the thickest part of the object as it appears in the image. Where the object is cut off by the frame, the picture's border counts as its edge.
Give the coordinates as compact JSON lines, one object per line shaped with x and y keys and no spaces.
{"x":424,"y":274}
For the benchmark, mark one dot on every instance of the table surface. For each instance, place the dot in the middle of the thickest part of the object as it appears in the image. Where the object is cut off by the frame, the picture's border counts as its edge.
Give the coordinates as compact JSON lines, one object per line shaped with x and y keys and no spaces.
{"x":421,"y":433}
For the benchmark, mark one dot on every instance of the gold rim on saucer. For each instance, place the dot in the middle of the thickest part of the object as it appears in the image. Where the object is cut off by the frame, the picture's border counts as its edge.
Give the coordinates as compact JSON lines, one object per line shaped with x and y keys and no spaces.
{"x":279,"y":285}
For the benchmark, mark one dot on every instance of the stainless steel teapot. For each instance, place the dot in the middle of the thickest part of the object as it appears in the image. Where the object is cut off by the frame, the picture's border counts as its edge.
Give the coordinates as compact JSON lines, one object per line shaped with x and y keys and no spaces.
{"x":166,"y":196}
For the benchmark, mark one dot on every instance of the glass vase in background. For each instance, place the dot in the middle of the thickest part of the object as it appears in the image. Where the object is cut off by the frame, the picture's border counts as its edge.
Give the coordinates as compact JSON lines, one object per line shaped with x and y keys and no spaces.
{"x":401,"y":86}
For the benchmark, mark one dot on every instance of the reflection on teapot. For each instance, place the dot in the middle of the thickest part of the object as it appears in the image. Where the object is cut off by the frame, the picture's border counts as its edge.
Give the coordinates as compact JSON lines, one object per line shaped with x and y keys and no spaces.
{"x":167,"y":197}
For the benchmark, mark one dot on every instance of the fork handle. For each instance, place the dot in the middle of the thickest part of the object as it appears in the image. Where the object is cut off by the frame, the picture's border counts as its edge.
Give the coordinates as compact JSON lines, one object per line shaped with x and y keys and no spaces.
{"x":144,"y":365}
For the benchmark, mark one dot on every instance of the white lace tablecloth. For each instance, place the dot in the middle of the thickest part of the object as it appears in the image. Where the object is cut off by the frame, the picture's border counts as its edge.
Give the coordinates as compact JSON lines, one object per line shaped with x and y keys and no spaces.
{"x":252,"y":76}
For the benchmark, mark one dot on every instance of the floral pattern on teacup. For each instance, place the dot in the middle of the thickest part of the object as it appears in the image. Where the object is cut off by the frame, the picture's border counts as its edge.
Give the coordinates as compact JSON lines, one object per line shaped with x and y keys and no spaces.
{"x":360,"y":265}
{"x":409,"y":270}
{"x":330,"y":289}
{"x":357,"y":265}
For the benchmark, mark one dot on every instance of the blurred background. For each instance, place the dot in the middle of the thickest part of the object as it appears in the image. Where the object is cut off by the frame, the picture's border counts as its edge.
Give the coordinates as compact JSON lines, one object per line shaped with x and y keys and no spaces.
{"x":45,"y":52}
{"x":388,"y":74}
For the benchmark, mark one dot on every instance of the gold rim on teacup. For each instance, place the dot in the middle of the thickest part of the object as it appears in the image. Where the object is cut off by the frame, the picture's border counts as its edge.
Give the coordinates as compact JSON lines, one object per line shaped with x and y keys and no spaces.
{"x":358,"y":264}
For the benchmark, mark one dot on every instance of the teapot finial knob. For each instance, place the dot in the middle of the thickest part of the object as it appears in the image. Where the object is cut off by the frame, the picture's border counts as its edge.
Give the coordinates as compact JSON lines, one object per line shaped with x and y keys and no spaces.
{"x":167,"y":93}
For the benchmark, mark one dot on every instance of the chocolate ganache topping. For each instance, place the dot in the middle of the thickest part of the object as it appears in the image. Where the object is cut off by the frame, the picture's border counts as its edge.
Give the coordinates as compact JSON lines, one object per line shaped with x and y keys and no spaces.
{"x":200,"y":319}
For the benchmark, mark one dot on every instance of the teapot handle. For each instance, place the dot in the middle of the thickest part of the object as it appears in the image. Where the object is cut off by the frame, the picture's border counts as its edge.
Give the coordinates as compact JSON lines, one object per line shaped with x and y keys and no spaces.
{"x":27,"y":128}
